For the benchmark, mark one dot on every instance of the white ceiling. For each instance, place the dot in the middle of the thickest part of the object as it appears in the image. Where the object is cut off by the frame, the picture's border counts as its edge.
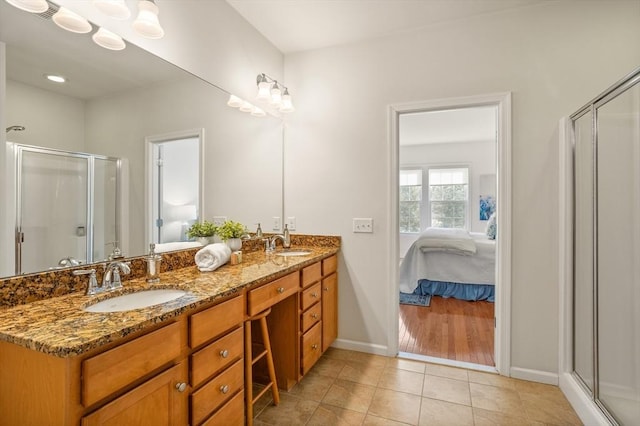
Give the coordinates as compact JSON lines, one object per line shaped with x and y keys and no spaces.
{"x":297,"y":25}
{"x":450,"y":126}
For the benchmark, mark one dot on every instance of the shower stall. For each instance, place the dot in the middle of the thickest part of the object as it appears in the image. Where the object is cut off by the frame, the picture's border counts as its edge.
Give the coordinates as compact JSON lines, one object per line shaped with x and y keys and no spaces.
{"x":606,"y":251}
{"x":67,"y":207}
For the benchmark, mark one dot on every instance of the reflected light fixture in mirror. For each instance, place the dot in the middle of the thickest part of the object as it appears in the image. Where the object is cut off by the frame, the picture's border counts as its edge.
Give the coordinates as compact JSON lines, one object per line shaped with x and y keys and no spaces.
{"x":108,"y":40}
{"x":147,"y":23}
{"x":116,"y":9}
{"x":33,"y":6}
{"x":246,"y":107}
{"x":55,"y":78}
{"x":234,"y":101}
{"x":71,"y":21}
{"x":257,"y":112}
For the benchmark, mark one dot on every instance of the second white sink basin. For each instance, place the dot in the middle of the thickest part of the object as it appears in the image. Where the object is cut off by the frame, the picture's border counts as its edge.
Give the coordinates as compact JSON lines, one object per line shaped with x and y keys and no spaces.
{"x":293,"y":253}
{"x":140,"y":299}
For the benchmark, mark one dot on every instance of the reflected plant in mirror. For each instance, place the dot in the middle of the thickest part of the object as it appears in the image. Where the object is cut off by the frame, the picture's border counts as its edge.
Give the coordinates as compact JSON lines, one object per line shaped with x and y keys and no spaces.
{"x":113,"y":105}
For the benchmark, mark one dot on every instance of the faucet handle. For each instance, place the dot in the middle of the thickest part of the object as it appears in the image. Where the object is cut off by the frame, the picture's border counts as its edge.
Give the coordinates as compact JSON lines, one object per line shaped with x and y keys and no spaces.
{"x":92,"y":287}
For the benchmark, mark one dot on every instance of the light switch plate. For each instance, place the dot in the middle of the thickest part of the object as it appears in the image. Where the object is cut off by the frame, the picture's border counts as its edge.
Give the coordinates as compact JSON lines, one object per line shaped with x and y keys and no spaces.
{"x":291,"y":223}
{"x":276,"y":223}
{"x":219,"y":220}
{"x":363,"y":224}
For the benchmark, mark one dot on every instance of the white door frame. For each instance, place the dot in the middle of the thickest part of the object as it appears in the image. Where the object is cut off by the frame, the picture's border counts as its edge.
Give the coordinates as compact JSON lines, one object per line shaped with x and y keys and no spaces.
{"x":502,"y":101}
{"x":149,"y":165}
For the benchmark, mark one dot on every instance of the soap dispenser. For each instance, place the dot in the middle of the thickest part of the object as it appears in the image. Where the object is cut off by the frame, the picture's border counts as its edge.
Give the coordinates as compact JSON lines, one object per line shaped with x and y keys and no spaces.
{"x":153,"y":264}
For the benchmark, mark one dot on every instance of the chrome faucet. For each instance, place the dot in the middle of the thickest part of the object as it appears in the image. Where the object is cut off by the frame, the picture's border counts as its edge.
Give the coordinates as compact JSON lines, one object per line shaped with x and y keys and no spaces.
{"x":92,"y":286}
{"x":270,"y":244}
{"x":111,"y":279}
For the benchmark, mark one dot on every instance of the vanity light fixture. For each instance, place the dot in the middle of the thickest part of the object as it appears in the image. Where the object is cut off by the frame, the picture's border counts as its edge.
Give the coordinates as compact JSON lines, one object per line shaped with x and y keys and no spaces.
{"x":55,"y":78}
{"x":147,"y":24}
{"x":276,"y":94}
{"x":71,"y":21}
{"x":116,"y":9}
{"x":108,"y":40}
{"x":246,"y":107}
{"x":33,"y":6}
{"x":257,"y":112}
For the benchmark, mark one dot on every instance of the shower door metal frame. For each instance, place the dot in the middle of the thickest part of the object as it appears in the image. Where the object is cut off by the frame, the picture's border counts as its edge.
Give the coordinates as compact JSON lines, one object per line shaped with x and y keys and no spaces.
{"x":611,"y":93}
{"x":19,"y":149}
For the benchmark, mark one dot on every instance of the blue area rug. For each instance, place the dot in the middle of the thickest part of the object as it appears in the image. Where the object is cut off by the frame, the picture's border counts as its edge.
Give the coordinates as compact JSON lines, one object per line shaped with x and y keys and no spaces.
{"x":415,"y":299}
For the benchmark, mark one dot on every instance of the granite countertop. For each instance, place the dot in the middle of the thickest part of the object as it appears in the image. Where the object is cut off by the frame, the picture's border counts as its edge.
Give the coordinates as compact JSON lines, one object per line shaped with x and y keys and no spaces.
{"x":59,"y":326}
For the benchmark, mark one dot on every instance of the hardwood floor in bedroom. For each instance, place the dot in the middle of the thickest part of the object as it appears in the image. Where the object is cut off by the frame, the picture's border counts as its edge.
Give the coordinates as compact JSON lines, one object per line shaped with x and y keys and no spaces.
{"x":450,"y":328}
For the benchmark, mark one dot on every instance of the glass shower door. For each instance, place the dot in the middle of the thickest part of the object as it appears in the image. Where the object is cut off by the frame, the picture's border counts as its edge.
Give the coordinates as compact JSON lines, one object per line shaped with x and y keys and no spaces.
{"x":105,"y":208}
{"x":52,"y":209}
{"x":618,"y":239}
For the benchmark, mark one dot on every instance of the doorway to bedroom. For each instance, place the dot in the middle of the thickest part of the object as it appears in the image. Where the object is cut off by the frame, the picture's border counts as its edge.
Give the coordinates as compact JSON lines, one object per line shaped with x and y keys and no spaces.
{"x":447,"y":249}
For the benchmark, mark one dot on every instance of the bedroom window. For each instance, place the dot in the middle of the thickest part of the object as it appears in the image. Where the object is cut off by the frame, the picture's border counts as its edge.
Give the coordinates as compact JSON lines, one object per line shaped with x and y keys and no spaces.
{"x":448,"y":197}
{"x":410,"y":200}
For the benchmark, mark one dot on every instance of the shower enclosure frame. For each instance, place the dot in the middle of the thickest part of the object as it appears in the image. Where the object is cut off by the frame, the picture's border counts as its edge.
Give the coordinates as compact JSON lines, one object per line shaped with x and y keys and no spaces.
{"x":590,"y":394}
{"x":19,"y":150}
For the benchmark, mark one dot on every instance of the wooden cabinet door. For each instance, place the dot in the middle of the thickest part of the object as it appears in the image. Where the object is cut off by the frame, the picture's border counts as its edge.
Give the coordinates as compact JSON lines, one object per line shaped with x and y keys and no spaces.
{"x":158,"y":401}
{"x":329,"y":310}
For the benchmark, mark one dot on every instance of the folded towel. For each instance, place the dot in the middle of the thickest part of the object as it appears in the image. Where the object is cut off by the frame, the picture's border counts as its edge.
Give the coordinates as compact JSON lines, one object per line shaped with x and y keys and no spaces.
{"x":211,"y":257}
{"x":446,"y":239}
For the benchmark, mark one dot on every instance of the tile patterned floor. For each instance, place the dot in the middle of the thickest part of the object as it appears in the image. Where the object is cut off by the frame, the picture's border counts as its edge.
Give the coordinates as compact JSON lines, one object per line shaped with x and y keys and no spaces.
{"x":353,"y":388}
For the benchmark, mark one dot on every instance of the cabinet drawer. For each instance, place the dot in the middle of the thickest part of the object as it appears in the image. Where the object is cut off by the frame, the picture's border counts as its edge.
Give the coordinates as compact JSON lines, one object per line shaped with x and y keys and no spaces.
{"x":231,"y":413}
{"x":310,"y":296}
{"x":212,"y":322}
{"x":329,"y":265}
{"x":216,"y":356}
{"x":311,"y":316}
{"x":268,"y":295}
{"x":311,"y":274}
{"x":205,"y":400}
{"x":311,"y":347}
{"x":112,"y":370}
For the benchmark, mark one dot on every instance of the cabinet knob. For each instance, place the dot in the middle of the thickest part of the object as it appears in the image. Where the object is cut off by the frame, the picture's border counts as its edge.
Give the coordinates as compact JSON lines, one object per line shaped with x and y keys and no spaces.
{"x":314,"y":315}
{"x":326,"y":289}
{"x":224,"y":388}
{"x":224,"y":353}
{"x":315,"y":295}
{"x":181,"y":386}
{"x":314,"y":346}
{"x":280,"y":290}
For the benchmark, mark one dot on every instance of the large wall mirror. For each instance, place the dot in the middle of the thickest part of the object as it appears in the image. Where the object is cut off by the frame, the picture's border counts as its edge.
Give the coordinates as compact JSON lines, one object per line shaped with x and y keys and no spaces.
{"x":113,"y":104}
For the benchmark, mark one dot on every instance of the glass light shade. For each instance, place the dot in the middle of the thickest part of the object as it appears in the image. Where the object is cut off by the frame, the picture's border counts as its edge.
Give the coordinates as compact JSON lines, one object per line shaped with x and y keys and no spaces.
{"x":246,"y":107}
{"x":116,"y":9}
{"x":287,"y":105}
{"x":234,"y":101}
{"x":108,"y":40}
{"x":258,"y":112}
{"x":147,"y":24}
{"x":33,"y":6}
{"x":71,"y":21}
{"x":276,"y":95}
{"x":263,"y":93}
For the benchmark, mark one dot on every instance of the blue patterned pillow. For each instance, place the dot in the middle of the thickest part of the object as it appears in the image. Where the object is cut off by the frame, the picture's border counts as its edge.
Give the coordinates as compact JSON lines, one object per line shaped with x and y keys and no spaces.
{"x":492,"y":227}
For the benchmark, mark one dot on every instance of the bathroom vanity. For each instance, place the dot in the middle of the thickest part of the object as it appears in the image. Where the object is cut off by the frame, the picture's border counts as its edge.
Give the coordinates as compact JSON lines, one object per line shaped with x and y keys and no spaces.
{"x":179,"y":363}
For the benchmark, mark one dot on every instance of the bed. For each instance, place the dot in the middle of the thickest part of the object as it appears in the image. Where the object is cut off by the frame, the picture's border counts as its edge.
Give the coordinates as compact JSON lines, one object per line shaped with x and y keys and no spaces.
{"x":450,"y":263}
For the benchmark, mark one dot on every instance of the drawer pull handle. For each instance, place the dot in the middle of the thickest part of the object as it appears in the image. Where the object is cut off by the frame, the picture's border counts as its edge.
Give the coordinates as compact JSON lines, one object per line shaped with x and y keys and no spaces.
{"x":181,"y":386}
{"x":280,"y":290}
{"x":224,"y":353}
{"x":224,"y":388}
{"x":315,"y":295}
{"x":314,"y":316}
{"x":314,"y":346}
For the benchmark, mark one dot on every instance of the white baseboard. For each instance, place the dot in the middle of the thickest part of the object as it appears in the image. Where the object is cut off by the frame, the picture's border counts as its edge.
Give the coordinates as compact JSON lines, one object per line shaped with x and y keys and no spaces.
{"x":582,"y":403}
{"x":353,"y":345}
{"x":534,"y":375}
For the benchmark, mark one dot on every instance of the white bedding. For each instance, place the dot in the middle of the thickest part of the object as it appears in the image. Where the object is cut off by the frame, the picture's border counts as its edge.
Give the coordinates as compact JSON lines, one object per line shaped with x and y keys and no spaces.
{"x":448,"y":266}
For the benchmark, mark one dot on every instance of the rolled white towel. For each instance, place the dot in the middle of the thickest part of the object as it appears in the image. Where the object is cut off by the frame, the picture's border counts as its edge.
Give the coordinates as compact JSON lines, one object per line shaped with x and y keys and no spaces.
{"x":211,"y":257}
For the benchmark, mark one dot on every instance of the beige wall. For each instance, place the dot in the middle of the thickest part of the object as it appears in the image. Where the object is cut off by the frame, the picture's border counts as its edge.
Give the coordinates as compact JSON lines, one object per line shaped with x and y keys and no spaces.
{"x":553,"y":57}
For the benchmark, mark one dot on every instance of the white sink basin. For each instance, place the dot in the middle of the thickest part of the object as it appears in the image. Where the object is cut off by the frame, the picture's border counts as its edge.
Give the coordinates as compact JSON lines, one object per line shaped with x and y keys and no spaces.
{"x":140,"y":299}
{"x":293,"y":253}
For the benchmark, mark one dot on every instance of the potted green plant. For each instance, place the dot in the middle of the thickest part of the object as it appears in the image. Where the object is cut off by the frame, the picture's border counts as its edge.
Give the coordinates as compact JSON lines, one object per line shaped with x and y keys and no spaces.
{"x":230,"y":232}
{"x":202,"y":232}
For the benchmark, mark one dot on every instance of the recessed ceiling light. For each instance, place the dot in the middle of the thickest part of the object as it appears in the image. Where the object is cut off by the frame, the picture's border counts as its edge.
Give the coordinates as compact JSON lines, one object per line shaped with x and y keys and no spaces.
{"x":55,"y":78}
